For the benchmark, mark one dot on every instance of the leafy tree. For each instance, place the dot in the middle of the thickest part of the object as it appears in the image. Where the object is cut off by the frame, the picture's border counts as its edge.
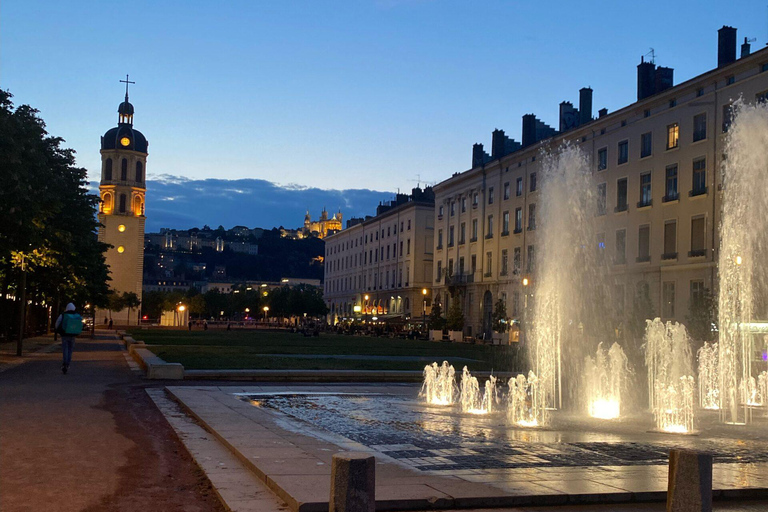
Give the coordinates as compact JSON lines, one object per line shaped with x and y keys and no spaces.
{"x":131,"y":301}
{"x":499,"y":317}
{"x":436,"y":320}
{"x":116,"y":303}
{"x":455,"y":318}
{"x":702,"y":314}
{"x":197,"y":305}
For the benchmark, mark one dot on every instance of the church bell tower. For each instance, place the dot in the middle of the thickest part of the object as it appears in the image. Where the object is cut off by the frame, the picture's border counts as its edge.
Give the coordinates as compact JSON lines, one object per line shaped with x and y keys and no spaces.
{"x":122,"y":190}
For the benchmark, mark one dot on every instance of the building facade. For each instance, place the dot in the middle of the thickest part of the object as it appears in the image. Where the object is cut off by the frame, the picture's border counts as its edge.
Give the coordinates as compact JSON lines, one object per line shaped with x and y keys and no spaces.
{"x":121,"y":212}
{"x":379,"y":266}
{"x":657,"y":167}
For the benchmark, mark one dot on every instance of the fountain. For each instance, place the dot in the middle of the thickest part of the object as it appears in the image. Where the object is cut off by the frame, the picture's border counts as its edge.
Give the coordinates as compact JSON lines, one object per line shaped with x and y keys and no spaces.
{"x":568,"y":313}
{"x":743,"y":247}
{"x":605,"y":378}
{"x":669,"y":363}
{"x":439,"y":386}
{"x":709,"y":391}
{"x":524,"y":407}
{"x":472,"y":400}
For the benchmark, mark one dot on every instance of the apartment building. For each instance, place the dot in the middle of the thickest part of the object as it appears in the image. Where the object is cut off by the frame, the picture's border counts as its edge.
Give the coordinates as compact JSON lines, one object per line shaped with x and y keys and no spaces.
{"x":379,"y":266}
{"x":657,"y":165}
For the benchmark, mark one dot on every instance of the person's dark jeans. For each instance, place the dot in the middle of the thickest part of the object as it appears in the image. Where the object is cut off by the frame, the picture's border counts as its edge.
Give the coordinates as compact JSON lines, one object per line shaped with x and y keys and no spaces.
{"x":67,"y":345}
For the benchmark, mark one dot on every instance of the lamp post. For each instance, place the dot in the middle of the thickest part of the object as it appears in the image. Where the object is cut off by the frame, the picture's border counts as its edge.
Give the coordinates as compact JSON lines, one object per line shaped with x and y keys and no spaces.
{"x":525,"y":310}
{"x":247,"y":310}
{"x":266,"y":310}
{"x":179,"y":310}
{"x":424,"y":308}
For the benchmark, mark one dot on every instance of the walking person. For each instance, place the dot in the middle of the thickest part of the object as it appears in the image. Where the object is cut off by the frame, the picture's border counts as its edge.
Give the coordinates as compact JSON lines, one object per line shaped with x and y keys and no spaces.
{"x":110,"y":324}
{"x":69,"y":325}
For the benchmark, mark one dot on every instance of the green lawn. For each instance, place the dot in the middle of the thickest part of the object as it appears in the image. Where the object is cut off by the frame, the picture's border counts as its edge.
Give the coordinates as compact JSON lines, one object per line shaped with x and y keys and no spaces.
{"x":215,"y":349}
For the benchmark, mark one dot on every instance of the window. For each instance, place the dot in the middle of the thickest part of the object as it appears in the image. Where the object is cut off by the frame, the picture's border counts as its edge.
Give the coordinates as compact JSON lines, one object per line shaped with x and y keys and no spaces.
{"x":645,"y":190}
{"x":440,"y":212}
{"x":121,"y":209}
{"x":601,"y":198}
{"x":623,"y":152}
{"x":401,"y":227}
{"x":490,"y":195}
{"x":504,"y":261}
{"x":474,"y":230}
{"x":644,"y":243}
{"x":139,"y":171}
{"x":489,"y":232}
{"x":729,"y":80}
{"x":108,"y":170}
{"x":401,"y":248}
{"x":670,"y":240}
{"x":439,"y":270}
{"x":461,"y":266}
{"x":488,"y":264}
{"x":515,"y":303}
{"x":473,"y":264}
{"x":647,"y":112}
{"x":646,"y":144}
{"x":506,"y":190}
{"x":453,"y":208}
{"x":699,"y":127}
{"x":600,"y":246}
{"x":518,"y":220}
{"x":463,"y":204}
{"x":462,"y":232}
{"x":450,"y":236}
{"x":621,"y":195}
{"x":505,"y":223}
{"x":621,"y":247}
{"x":673,"y":135}
{"x":530,"y":264}
{"x":697,"y":292}
{"x":602,"y":159}
{"x":439,"y":238}
{"x":698,"y":232}
{"x":124,"y":170}
{"x":668,"y":292}
{"x":516,"y":260}
{"x":670,"y":188}
{"x":533,"y":182}
{"x":699,"y":92}
{"x":408,"y":246}
{"x":727,"y":117}
{"x":474,"y":200}
{"x":519,"y":187}
{"x":672,"y":103}
{"x":387,"y":252}
{"x":699,"y":177}
{"x":531,"y":217}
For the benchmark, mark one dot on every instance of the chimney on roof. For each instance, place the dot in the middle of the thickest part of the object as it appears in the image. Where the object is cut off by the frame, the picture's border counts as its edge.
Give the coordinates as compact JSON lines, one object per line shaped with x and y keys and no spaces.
{"x":646,"y":79}
{"x":726,"y":46}
{"x":497,"y":144}
{"x":602,"y":112}
{"x":746,"y":48}
{"x":664,"y":79}
{"x":529,"y":130}
{"x":585,"y":105}
{"x":478,"y":155}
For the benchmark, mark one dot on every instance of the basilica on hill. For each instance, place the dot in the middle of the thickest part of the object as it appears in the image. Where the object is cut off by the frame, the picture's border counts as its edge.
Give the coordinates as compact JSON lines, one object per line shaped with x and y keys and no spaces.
{"x":323,"y":226}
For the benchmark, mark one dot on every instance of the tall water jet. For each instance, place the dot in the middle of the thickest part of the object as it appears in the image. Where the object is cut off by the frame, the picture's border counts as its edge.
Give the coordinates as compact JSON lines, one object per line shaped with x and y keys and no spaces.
{"x":669,"y":363}
{"x":525,"y":406}
{"x":709,"y":382}
{"x":568,"y":282}
{"x":604,"y":380}
{"x":742,"y":255}
{"x":439,"y":387}
{"x":472,"y":400}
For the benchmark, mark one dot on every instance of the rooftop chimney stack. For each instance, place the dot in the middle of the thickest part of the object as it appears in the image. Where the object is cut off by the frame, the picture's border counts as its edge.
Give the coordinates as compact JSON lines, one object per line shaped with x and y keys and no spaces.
{"x":602,"y":112}
{"x":585,"y":105}
{"x":726,"y":46}
{"x":746,"y":48}
{"x":646,"y":79}
{"x":497,"y":144}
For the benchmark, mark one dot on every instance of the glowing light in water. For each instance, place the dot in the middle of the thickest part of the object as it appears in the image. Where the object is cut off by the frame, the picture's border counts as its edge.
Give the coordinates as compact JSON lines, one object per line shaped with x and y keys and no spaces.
{"x":472,"y":400}
{"x":525,"y":404}
{"x":668,"y":360}
{"x":604,"y":379}
{"x":709,"y":392}
{"x":439,"y":387}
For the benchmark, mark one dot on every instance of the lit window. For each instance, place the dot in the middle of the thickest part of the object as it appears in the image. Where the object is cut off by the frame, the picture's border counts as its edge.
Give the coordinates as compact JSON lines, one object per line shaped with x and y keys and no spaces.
{"x":673,"y":134}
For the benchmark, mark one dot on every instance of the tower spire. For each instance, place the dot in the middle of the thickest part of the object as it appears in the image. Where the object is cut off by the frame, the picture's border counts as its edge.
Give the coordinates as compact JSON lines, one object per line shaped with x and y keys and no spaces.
{"x":126,"y":82}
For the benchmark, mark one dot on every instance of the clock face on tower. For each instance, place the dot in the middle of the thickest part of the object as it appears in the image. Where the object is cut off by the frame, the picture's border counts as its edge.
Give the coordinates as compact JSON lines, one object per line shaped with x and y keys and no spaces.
{"x":125,"y":141}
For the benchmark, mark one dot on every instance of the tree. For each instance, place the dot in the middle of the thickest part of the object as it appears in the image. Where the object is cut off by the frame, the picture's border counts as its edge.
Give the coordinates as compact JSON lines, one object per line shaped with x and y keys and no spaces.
{"x":116,"y":303}
{"x":702,"y":315}
{"x":197,"y":305}
{"x":455,"y":318}
{"x":499,"y":317}
{"x":131,"y":301}
{"x":436,"y":320}
{"x":642,"y":310}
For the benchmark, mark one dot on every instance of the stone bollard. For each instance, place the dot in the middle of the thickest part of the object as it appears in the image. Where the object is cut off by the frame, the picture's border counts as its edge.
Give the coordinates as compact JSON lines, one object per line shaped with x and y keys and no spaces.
{"x":353,"y":483}
{"x":690,"y":481}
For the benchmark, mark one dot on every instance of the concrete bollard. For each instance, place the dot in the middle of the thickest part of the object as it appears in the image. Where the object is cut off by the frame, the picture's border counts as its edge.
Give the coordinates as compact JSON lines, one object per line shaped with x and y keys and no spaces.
{"x":690,"y":481}
{"x":353,"y":483}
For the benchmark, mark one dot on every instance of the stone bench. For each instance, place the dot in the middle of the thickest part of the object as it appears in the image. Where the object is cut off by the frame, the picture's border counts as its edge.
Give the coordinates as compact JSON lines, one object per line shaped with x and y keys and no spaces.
{"x":155,"y":367}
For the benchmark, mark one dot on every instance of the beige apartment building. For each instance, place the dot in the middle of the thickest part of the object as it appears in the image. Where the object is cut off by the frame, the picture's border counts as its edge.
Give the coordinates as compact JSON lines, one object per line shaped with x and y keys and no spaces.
{"x":379,"y":266}
{"x":657,"y":164}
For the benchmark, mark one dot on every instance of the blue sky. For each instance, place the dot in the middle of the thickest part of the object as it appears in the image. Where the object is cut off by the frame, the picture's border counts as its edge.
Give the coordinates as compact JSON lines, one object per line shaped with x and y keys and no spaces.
{"x":337,"y":95}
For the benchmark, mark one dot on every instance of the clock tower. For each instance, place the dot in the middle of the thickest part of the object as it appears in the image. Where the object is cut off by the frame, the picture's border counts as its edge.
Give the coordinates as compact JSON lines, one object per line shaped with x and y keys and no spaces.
{"x":121,"y":213}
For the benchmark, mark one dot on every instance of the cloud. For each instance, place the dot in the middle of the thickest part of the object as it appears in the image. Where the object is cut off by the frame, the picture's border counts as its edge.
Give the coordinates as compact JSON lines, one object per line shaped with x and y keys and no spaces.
{"x":179,"y":202}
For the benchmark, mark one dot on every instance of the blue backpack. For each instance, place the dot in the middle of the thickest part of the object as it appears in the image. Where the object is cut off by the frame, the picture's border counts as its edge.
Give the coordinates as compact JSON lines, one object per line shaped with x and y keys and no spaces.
{"x":71,"y":324}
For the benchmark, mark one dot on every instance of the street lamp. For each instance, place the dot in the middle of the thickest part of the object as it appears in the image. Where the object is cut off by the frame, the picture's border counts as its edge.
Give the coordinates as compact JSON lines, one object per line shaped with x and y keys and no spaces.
{"x":424,"y":308}
{"x":266,"y":310}
{"x":525,"y":310}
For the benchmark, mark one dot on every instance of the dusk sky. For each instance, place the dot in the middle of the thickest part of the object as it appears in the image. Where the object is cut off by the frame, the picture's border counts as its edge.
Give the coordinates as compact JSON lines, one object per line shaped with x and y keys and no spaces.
{"x":331,"y":95}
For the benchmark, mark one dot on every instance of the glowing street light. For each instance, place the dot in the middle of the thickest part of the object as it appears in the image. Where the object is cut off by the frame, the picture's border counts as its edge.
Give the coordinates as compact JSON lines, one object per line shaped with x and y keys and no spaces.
{"x":525,"y":281}
{"x":266,"y":310}
{"x":247,"y":310}
{"x":181,"y":308}
{"x":738,"y":260}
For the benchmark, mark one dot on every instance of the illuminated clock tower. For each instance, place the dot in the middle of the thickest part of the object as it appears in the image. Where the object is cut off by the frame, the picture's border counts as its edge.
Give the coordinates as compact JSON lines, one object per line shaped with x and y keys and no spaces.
{"x":122,"y":190}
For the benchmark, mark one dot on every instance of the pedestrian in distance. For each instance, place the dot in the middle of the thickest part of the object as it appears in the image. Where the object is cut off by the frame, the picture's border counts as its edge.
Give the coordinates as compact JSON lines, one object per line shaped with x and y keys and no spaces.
{"x":106,"y":321}
{"x":110,"y":324}
{"x":190,"y":325}
{"x":69,"y":325}
{"x":205,"y":325}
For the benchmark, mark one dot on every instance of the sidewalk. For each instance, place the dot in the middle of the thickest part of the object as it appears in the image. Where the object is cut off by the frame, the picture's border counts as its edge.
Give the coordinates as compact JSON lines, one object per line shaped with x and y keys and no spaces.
{"x":90,"y":440}
{"x":31,"y":348}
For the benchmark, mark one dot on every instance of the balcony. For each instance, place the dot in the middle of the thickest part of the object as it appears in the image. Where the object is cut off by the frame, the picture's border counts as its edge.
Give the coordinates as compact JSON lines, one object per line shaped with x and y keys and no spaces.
{"x":439,"y":246}
{"x":643,"y":259}
{"x":621,"y":208}
{"x":645,"y":204}
{"x":669,"y":256}
{"x":517,"y":231}
{"x":697,"y":253}
{"x":488,"y":236}
{"x":670,"y":197}
{"x":460,"y":279}
{"x":505,"y":233}
{"x":698,"y":192}
{"x":473,"y":239}
{"x":450,"y":244}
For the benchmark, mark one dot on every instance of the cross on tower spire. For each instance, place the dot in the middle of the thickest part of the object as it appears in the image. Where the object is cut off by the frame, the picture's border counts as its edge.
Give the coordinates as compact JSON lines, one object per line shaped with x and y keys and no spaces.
{"x":126,"y":82}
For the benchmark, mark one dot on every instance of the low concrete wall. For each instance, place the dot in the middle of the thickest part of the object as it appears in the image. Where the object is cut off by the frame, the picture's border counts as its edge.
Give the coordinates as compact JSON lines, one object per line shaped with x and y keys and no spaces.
{"x":155,"y":367}
{"x":322,"y":375}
